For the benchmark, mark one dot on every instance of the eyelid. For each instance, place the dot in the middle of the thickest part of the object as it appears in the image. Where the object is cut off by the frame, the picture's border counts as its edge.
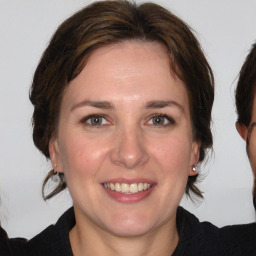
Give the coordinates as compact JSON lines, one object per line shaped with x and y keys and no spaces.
{"x":86,"y":118}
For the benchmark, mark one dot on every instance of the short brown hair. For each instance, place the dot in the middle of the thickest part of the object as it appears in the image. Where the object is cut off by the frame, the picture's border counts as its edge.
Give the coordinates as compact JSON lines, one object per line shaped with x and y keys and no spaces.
{"x":245,"y":95}
{"x":107,"y":22}
{"x":245,"y":90}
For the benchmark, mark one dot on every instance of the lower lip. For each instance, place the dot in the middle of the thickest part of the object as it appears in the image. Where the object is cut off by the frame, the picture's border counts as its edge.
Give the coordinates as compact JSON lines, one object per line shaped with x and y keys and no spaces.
{"x":129,"y":198}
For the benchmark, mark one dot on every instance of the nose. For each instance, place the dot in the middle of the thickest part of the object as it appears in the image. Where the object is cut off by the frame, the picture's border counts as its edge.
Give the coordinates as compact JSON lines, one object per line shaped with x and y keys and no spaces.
{"x":129,"y":149}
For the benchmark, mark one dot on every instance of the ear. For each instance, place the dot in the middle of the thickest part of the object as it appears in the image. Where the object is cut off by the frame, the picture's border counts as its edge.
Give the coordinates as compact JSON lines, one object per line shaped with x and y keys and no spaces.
{"x":242,"y":130}
{"x":55,"y":155}
{"x":195,"y":153}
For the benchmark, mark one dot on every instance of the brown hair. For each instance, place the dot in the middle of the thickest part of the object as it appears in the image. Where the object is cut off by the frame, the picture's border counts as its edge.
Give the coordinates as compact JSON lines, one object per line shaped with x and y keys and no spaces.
{"x":107,"y":22}
{"x":245,"y":89}
{"x":245,"y":95}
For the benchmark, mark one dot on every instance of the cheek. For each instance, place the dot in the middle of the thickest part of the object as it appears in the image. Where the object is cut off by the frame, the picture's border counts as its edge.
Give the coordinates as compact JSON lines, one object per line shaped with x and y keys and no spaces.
{"x":173,"y":160}
{"x":172,"y":157}
{"x":173,"y":152}
{"x":81,"y":156}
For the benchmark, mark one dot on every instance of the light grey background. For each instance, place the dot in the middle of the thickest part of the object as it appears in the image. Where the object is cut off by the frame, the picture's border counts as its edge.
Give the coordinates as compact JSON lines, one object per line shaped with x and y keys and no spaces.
{"x":225,"y":28}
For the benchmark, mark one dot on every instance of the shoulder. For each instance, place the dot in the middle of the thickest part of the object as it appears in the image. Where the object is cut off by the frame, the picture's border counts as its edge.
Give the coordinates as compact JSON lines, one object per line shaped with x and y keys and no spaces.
{"x":54,"y":240}
{"x":206,"y":239}
{"x":201,"y":230}
{"x":3,"y":234}
{"x":239,"y":239}
{"x":12,"y":246}
{"x":197,"y":238}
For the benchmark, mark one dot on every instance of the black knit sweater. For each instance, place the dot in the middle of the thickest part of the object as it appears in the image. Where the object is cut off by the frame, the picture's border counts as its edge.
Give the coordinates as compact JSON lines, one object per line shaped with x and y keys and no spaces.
{"x":195,"y":239}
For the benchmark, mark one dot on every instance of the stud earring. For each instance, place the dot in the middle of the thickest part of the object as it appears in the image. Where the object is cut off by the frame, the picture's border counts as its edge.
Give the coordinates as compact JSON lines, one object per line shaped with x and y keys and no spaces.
{"x":194,"y":168}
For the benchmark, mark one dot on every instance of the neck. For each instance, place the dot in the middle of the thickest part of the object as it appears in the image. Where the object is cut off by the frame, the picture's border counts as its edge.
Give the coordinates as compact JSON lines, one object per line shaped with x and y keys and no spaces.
{"x":88,"y":240}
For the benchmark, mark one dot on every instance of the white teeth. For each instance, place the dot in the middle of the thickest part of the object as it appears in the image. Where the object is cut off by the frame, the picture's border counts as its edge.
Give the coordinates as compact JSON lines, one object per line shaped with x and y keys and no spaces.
{"x":128,"y":188}
{"x":133,"y":188}
{"x":140,"y":187}
{"x":106,"y":185}
{"x":125,"y":188}
{"x":112,"y":186}
{"x":117,"y":187}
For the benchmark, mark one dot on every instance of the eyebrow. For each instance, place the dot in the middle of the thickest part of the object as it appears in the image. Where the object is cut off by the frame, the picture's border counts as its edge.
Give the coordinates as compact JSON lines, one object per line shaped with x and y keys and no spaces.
{"x":96,"y":104}
{"x":155,"y":104}
{"x":163,"y":104}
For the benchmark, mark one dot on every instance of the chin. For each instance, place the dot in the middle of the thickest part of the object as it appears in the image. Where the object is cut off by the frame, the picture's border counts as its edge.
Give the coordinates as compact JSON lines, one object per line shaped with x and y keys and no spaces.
{"x":130,"y":226}
{"x":129,"y":230}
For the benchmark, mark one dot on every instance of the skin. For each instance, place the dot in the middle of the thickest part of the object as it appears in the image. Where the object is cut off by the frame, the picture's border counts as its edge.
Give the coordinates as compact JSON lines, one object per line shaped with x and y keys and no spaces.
{"x":127,"y":145}
{"x":248,"y":133}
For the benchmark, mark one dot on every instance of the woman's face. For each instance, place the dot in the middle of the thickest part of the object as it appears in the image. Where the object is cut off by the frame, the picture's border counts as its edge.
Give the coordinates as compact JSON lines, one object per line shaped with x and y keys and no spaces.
{"x":124,"y":140}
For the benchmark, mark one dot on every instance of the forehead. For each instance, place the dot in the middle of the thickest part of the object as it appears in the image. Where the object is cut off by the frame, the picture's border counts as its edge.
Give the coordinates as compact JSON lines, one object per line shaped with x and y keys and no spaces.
{"x":124,"y":70}
{"x":128,"y":56}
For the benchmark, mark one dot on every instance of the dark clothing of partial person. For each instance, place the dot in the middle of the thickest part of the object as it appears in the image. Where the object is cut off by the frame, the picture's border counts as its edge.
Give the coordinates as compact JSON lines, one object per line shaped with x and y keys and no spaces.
{"x":3,"y":234}
{"x":11,"y":246}
{"x":195,"y":238}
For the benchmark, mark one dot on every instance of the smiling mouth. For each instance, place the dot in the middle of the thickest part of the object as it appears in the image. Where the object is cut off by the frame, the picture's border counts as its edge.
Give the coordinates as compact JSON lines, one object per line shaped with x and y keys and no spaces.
{"x":125,"y":188}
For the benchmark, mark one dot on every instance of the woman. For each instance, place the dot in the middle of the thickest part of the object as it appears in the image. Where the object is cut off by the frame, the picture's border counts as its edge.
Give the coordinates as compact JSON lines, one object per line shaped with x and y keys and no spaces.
{"x":122,"y":107}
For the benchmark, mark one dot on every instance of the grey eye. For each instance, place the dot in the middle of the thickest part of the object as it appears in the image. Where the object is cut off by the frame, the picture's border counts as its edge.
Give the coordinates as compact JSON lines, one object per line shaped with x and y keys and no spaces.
{"x":96,"y":120}
{"x":158,"y":120}
{"x":161,"y":120}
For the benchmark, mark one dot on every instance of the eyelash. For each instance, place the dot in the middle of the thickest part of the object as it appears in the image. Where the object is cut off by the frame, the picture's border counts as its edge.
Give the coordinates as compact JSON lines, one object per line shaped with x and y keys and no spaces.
{"x":87,"y":118}
{"x":170,"y":120}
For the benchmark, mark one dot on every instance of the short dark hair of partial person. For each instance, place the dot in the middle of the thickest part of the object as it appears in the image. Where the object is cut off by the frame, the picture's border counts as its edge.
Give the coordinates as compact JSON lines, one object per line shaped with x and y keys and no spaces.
{"x":107,"y":22}
{"x":245,"y":90}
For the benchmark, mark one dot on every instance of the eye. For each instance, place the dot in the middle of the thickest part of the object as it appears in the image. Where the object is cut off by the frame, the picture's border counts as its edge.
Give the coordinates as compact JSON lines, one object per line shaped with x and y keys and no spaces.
{"x":95,"y":120}
{"x":161,"y":120}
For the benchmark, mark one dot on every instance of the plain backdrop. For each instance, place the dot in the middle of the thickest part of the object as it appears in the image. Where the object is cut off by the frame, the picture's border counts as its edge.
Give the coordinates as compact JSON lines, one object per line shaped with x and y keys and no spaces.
{"x":226,"y":30}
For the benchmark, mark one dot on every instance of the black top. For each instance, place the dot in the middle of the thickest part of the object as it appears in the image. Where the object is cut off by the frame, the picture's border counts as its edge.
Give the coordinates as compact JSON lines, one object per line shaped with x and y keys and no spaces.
{"x":54,"y":240}
{"x":13,"y":246}
{"x":195,"y":238}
